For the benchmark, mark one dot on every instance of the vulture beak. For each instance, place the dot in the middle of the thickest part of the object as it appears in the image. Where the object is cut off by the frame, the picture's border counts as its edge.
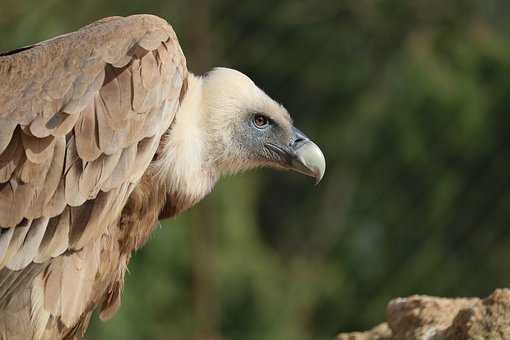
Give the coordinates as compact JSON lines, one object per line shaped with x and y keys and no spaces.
{"x":302,"y":155}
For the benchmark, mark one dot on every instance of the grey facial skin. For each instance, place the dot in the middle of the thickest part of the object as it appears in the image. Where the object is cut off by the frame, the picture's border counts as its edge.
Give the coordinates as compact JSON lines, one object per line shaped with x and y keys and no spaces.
{"x":283,"y":147}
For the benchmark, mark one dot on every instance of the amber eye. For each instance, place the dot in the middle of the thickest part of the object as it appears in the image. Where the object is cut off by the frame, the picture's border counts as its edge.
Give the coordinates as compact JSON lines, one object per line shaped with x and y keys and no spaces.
{"x":260,"y":121}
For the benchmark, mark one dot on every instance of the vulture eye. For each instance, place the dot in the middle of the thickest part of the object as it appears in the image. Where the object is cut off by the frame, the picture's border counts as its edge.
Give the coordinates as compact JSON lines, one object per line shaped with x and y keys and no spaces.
{"x":260,"y":121}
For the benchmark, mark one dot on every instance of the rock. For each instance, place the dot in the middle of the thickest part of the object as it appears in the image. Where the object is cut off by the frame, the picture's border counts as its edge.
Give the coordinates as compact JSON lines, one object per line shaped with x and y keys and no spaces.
{"x":420,"y":317}
{"x":380,"y":332}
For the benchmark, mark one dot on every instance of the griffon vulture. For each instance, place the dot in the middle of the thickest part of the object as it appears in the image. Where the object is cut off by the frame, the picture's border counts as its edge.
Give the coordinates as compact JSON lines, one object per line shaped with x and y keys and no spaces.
{"x":103,"y":131}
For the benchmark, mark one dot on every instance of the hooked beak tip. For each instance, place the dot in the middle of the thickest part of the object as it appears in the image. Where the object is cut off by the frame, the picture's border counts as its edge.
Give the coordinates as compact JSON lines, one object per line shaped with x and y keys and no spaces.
{"x":303,"y":156}
{"x":310,"y":161}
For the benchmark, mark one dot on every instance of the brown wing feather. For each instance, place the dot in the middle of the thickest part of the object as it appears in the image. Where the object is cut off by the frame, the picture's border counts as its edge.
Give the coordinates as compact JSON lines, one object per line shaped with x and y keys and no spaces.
{"x":81,"y":117}
{"x":30,"y":246}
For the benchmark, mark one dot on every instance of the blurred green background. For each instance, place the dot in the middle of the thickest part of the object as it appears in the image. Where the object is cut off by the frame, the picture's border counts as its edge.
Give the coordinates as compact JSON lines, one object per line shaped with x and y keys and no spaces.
{"x":410,"y":102}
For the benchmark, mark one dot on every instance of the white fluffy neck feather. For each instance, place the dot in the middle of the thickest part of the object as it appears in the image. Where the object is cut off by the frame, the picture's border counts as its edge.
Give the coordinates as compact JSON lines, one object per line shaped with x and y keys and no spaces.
{"x":184,"y":166}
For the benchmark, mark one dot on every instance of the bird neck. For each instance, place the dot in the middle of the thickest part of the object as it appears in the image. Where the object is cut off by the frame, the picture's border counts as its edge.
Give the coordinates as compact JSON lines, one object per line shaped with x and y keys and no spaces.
{"x":184,"y":165}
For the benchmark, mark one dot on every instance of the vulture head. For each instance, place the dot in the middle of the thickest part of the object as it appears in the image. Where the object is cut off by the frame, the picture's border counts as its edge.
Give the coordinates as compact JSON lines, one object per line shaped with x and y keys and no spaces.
{"x":226,"y":124}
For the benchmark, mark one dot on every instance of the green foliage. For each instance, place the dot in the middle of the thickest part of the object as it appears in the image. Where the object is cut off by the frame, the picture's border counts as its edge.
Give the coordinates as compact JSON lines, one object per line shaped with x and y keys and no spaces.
{"x":408,"y":99}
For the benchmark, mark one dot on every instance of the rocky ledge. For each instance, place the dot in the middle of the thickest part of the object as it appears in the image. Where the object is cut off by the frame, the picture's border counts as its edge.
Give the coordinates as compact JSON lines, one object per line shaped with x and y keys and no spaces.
{"x":420,"y":317}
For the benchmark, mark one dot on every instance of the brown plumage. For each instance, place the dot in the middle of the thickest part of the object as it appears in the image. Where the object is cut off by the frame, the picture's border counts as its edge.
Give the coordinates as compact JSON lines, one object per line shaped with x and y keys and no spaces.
{"x":102,"y":132}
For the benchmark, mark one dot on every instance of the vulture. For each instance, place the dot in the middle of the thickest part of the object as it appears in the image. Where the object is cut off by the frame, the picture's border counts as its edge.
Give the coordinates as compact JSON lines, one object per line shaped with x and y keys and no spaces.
{"x":103,"y":132}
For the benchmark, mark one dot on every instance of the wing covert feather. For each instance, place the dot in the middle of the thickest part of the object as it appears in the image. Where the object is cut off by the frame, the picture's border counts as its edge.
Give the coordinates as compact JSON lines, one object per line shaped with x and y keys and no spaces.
{"x":81,"y":116}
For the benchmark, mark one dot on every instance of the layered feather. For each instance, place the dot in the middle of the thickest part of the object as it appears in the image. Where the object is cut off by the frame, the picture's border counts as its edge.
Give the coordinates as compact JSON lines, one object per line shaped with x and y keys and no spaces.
{"x":81,"y":117}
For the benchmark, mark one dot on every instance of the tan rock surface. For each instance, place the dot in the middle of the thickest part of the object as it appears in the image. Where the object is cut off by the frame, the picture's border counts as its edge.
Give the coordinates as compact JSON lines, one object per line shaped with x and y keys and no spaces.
{"x":421,"y":317}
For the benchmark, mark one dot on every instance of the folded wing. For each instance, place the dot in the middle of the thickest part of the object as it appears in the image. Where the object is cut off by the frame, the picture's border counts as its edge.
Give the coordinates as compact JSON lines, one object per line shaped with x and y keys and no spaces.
{"x":81,"y":117}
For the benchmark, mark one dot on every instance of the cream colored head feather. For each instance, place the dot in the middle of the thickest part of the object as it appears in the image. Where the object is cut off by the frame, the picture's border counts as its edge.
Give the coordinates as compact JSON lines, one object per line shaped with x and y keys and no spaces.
{"x":214,"y":133}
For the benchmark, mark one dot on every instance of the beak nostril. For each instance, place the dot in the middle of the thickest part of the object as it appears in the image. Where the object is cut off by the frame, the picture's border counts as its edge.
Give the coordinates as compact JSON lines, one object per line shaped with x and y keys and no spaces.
{"x":299,"y":138}
{"x":297,"y":141}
